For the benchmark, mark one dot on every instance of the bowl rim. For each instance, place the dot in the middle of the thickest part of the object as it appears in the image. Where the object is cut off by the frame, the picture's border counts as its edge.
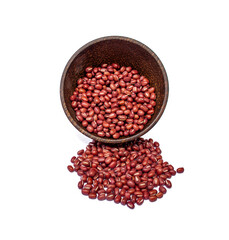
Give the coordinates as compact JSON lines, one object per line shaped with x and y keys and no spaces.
{"x":123,"y":139}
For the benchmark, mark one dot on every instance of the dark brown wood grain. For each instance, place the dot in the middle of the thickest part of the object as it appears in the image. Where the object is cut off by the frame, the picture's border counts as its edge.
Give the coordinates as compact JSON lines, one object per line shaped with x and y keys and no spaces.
{"x":126,"y":52}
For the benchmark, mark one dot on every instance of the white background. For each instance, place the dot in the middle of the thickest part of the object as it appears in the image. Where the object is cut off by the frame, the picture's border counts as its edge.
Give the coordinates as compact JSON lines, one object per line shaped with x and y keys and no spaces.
{"x":39,"y":197}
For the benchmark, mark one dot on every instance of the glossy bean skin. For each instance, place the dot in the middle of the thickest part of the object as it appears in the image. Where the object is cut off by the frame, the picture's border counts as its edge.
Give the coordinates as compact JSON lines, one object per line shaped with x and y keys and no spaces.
{"x":130,"y":204}
{"x":140,"y":201}
{"x":130,"y":183}
{"x":152,"y":198}
{"x":142,"y":185}
{"x":159,"y":195}
{"x":168,"y":184}
{"x":156,"y":181}
{"x":85,"y":191}
{"x":101,"y":196}
{"x":162,"y":189}
{"x":117,"y":199}
{"x":123,"y":201}
{"x":129,"y":173}
{"x":80,"y":184}
{"x":70,"y":169}
{"x":92,"y":195}
{"x":110,"y":197}
{"x":180,"y":170}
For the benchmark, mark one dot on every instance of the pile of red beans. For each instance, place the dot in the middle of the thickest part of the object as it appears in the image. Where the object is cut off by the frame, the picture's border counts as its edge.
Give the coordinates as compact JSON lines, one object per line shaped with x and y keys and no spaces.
{"x":128,"y":174}
{"x":113,"y":101}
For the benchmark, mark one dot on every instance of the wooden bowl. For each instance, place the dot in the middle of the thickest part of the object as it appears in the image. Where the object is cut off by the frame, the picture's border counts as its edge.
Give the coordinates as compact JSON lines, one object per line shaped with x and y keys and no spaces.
{"x":126,"y":52}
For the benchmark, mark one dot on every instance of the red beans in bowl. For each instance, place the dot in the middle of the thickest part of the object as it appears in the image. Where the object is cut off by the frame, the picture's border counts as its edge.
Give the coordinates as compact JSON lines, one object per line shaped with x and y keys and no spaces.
{"x":113,"y":101}
{"x":128,"y":173}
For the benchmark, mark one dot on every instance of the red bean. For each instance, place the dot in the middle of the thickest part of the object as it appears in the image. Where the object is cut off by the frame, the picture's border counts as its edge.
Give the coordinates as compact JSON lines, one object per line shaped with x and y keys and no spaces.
{"x":145,"y":82}
{"x":96,"y":110}
{"x":122,"y":192}
{"x":153,"y":192}
{"x":146,"y":195}
{"x":152,"y":198}
{"x":88,"y":69}
{"x":156,"y":181}
{"x":110,"y":196}
{"x":128,"y":69}
{"x":161,"y":181}
{"x":146,"y":168}
{"x":144,"y":108}
{"x":130,"y":183}
{"x":113,"y":164}
{"x":112,"y":115}
{"x":119,"y":184}
{"x":101,"y":134}
{"x":80,"y":184}
{"x":90,"y":128}
{"x":153,"y":96}
{"x":72,"y":98}
{"x":92,"y":172}
{"x":139,"y":167}
{"x":137,"y":179}
{"x":159,"y":171}
{"x":89,"y":119}
{"x":172,"y":172}
{"x":142,"y":185}
{"x":123,"y":201}
{"x":85,"y":163}
{"x":117,"y":199}
{"x":70,"y":169}
{"x":180,"y":170}
{"x":79,"y":118}
{"x":122,"y":117}
{"x":101,"y":196}
{"x":135,"y":127}
{"x":136,"y":76}
{"x":151,"y":173}
{"x":133,"y":198}
{"x":92,"y":195}
{"x":84,"y":123}
{"x":168,"y":184}
{"x":85,"y":104}
{"x":119,"y":112}
{"x":140,"y":113}
{"x":150,"y":112}
{"x":159,"y":195}
{"x":151,"y":90}
{"x":88,"y":186}
{"x":85,"y":191}
{"x":116,"y":135}
{"x":130,"y":204}
{"x":138,"y":194}
{"x":162,"y":189}
{"x":73,"y":159}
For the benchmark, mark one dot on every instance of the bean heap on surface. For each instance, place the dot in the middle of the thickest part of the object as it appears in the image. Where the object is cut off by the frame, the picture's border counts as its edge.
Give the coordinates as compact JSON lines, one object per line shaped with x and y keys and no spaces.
{"x":129,"y":173}
{"x":113,"y":101}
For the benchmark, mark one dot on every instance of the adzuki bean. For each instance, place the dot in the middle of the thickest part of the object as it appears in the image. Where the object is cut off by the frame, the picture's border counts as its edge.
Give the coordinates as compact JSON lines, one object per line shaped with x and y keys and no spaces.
{"x":180,"y":170}
{"x":127,"y":173}
{"x":113,"y":94}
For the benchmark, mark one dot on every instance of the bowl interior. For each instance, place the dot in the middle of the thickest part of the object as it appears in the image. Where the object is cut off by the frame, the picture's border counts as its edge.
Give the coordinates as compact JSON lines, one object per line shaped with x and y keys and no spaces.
{"x":126,"y":52}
